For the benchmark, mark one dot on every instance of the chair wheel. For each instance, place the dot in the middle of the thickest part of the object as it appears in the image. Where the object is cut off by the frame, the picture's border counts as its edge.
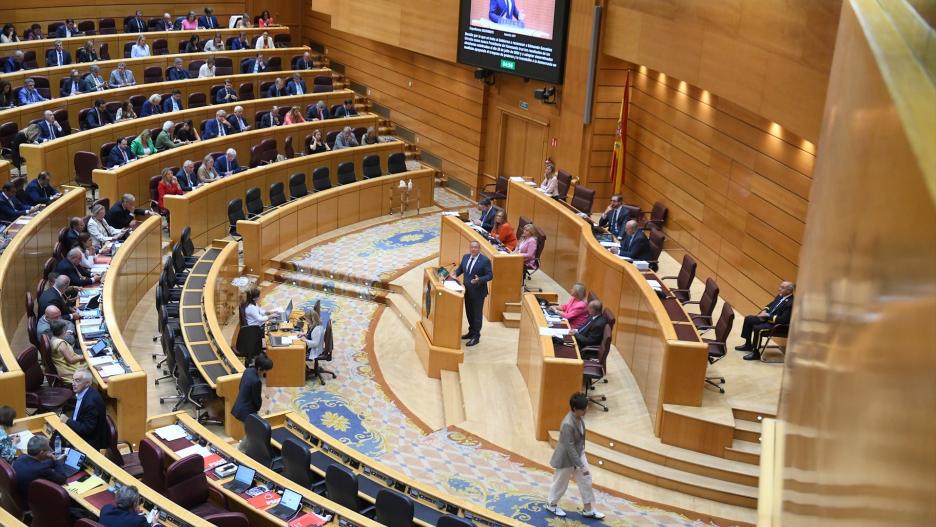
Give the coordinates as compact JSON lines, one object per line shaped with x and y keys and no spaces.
{"x":721,"y":390}
{"x":603,"y":398}
{"x":605,"y":409}
{"x":161,"y":400}
{"x":157,"y":382}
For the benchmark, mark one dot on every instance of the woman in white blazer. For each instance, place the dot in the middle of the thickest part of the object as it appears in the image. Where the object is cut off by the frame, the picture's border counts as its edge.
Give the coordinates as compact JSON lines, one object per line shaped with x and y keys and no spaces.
{"x":97,"y":227}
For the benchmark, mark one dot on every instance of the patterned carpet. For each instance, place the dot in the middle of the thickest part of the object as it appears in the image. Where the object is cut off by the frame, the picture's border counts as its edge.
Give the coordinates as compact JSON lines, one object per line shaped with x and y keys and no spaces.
{"x":448,"y":199}
{"x":357,"y":410}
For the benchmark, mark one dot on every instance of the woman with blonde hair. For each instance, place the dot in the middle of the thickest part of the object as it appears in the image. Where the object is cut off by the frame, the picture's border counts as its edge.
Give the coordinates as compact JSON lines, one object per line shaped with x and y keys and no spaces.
{"x":142,"y":145}
{"x":550,"y":184}
{"x":207,"y":171}
{"x":315,"y":334}
{"x":527,"y":246}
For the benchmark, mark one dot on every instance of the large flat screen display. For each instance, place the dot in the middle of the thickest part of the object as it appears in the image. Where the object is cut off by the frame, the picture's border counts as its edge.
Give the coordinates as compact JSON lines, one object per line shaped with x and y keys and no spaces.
{"x":520,"y":37}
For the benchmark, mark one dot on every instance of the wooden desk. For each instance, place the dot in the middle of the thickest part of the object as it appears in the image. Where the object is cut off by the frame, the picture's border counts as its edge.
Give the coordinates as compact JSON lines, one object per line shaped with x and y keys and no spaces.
{"x":668,"y":370}
{"x":430,"y":502}
{"x":95,"y":463}
{"x":310,"y":500}
{"x":552,"y":373}
{"x":55,"y":74}
{"x":302,"y":219}
{"x":508,"y":267}
{"x":20,"y":271}
{"x":211,"y":354}
{"x":115,"y":43}
{"x":438,"y":333}
{"x":23,"y":115}
{"x":133,"y":272}
{"x":8,"y":520}
{"x":289,"y":362}
{"x":58,"y":156}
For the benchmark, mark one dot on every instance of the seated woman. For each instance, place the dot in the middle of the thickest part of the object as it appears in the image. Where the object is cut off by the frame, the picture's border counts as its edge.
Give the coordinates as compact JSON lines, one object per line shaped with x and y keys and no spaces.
{"x":168,"y":186}
{"x":527,"y":247}
{"x":315,"y":334}
{"x":550,"y":184}
{"x":125,"y":112}
{"x":370,"y":137}
{"x":503,"y":231}
{"x":66,"y":361}
{"x":253,"y":314}
{"x":317,"y":145}
{"x":98,"y":229}
{"x":192,"y":45}
{"x":88,"y":252}
{"x":294,"y":116}
{"x":34,"y":32}
{"x":140,"y":49}
{"x":190,"y":22}
{"x":7,"y":448}
{"x":185,"y":133}
{"x":6,"y":95}
{"x":142,"y":144}
{"x":215,"y":44}
{"x":207,"y":172}
{"x":265,"y":19}
{"x":575,"y":310}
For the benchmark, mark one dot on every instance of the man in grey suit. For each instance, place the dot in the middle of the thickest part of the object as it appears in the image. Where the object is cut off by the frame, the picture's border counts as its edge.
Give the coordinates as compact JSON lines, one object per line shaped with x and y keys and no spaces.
{"x":569,"y":459}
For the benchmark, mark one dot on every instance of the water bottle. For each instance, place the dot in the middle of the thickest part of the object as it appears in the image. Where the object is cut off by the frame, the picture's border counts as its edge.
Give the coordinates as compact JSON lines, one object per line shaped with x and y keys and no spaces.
{"x":58,"y":445}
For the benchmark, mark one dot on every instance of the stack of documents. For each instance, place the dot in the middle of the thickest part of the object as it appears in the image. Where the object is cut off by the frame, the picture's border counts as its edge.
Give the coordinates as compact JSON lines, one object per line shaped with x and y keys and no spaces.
{"x":80,"y":487}
{"x":553,"y":332}
{"x":452,"y":285}
{"x":170,"y":433}
{"x":110,"y":370}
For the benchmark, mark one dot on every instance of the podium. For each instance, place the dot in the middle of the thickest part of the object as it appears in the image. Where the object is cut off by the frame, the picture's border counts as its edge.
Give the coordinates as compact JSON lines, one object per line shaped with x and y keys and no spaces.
{"x":438,"y":333}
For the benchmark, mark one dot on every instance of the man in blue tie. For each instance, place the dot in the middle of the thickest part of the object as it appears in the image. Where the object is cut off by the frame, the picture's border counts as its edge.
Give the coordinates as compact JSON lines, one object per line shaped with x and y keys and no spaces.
{"x":29,"y":94}
{"x":614,"y":216}
{"x":58,"y":56}
{"x":49,"y":129}
{"x":488,"y":212}
{"x":208,"y":21}
{"x":778,"y":311}
{"x":227,"y":164}
{"x":120,"y":154}
{"x":217,"y":127}
{"x":186,"y":176}
{"x":297,"y":86}
{"x":506,"y":12}
{"x":237,"y":121}
{"x":226,"y":94}
{"x":477,"y":272}
{"x":10,"y":207}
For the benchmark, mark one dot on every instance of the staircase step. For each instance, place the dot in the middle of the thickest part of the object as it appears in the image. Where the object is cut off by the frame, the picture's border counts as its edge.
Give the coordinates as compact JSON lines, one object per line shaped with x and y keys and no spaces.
{"x":511,"y":320}
{"x":452,"y":402}
{"x":511,"y":307}
{"x":747,"y":430}
{"x":751,"y":414}
{"x":744,"y":451}
{"x":319,"y":283}
{"x":668,"y":477}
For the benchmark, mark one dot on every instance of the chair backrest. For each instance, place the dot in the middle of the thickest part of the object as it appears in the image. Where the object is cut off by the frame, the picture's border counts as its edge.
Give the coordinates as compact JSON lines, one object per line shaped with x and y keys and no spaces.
{"x":49,"y":504}
{"x":85,"y":522}
{"x":686,"y":272}
{"x":85,"y":26}
{"x":656,"y":247}
{"x":288,"y":149}
{"x":28,"y":361}
{"x":331,"y":136}
{"x":7,"y":132}
{"x":275,"y":64}
{"x":341,"y":486}
{"x":453,"y":521}
{"x":394,"y":509}
{"x":258,"y":435}
{"x":297,"y":185}
{"x":320,"y":179}
{"x":249,"y":342}
{"x":605,"y":346}
{"x":228,"y":519}
{"x":235,"y":211}
{"x":10,"y":498}
{"x":107,"y":26}
{"x":45,"y":354}
{"x":370,"y":166}
{"x":30,"y":304}
{"x":197,"y":100}
{"x":296,"y":462}
{"x":113,"y":452}
{"x":709,"y":297}
{"x":583,"y":198}
{"x":346,"y":173}
{"x":31,"y":324}
{"x":152,"y":74}
{"x":724,"y":324}
{"x":500,"y":186}
{"x":282,"y":40}
{"x":563,"y":183}
{"x":160,"y":46}
{"x":277,"y":194}
{"x":85,"y":163}
{"x":254,"y":201}
{"x":128,"y":47}
{"x":245,"y":91}
{"x":186,"y":483}
{"x":152,"y":459}
{"x":659,"y":213}
{"x":396,"y":163}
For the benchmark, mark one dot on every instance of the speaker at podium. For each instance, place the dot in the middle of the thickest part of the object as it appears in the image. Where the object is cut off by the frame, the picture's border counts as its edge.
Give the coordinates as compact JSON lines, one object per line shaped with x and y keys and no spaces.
{"x":438,"y":333}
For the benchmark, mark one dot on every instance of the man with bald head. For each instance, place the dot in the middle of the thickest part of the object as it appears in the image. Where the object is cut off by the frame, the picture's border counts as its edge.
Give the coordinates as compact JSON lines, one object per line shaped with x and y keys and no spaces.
{"x":55,"y":296}
{"x":778,"y":311}
{"x":592,"y":331}
{"x":50,"y":315}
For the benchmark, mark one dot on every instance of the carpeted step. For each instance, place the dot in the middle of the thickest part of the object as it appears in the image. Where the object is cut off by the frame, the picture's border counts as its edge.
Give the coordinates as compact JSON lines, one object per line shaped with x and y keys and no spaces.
{"x":327,"y":285}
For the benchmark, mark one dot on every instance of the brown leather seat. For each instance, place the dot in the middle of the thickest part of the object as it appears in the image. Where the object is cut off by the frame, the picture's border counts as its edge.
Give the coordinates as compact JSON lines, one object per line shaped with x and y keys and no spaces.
{"x":187,"y":486}
{"x":48,"y":503}
{"x":563,"y":183}
{"x":706,"y":304}
{"x":582,"y":199}
{"x":130,"y":461}
{"x":152,"y":74}
{"x":684,"y":279}
{"x":44,"y":398}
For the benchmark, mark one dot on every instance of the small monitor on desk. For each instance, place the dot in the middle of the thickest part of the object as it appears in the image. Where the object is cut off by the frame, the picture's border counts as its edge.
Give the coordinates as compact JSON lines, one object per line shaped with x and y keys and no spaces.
{"x":284,"y":316}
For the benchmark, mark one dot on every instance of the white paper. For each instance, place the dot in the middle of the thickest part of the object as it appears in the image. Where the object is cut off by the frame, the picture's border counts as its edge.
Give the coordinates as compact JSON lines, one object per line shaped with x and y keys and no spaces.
{"x":610,"y":244}
{"x":530,"y":183}
{"x":170,"y":433}
{"x":641,"y":265}
{"x":287,"y":341}
{"x":516,"y":178}
{"x":553,"y":332}
{"x":452,"y":285}
{"x":88,"y":322}
{"x":99,"y":268}
{"x":654,"y":284}
{"x":194,"y":449}
{"x":450,"y":213}
{"x":103,"y":359}
{"x":21,"y":439}
{"x":110,"y":370}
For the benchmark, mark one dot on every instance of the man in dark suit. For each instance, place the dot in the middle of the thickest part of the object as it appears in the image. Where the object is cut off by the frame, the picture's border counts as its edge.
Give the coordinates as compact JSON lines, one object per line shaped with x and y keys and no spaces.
{"x":271,"y":118}
{"x":614,"y":216}
{"x":278,"y":89}
{"x":250,"y":391}
{"x":124,"y":512}
{"x":319,"y":112}
{"x":121,"y":214}
{"x":136,"y":24}
{"x":97,"y":116}
{"x":227,"y":164}
{"x":89,"y":418}
{"x":14,"y":62}
{"x":55,"y":296}
{"x":477,"y":271}
{"x":40,"y":190}
{"x":75,"y":227}
{"x":592,"y":331}
{"x":634,"y":244}
{"x":505,"y":12}
{"x":237,"y":121}
{"x":86,"y":53}
{"x":37,"y":463}
{"x":173,"y":103}
{"x":10,"y":207}
{"x":304,"y":62}
{"x":119,"y":155}
{"x":49,"y":128}
{"x":239,"y":42}
{"x":71,"y":267}
{"x":58,"y":56}
{"x":177,"y":72}
{"x":778,"y":311}
{"x":226,"y":94}
{"x":67,"y":30}
{"x":254,"y":65}
{"x":297,"y":86}
{"x":217,"y":127}
{"x":186,"y":176}
{"x":488,"y":212}
{"x":71,"y":85}
{"x":346,"y":109}
{"x":208,"y":20}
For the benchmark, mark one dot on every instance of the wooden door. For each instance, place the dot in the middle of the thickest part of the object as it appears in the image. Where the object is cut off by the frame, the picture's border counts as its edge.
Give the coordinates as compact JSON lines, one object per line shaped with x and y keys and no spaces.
{"x":522,"y":146}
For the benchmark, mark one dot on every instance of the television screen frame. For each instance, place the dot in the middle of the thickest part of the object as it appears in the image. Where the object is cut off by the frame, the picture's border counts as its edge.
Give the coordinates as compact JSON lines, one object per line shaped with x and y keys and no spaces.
{"x":546,"y":74}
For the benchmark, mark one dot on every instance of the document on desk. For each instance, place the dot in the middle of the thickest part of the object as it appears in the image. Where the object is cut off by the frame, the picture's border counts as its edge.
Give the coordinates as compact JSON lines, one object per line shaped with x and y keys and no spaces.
{"x":450,"y":213}
{"x":452,"y":285}
{"x":80,"y":487}
{"x":20,"y":440}
{"x":553,"y":332}
{"x":656,"y":285}
{"x":110,"y":370}
{"x":170,"y":433}
{"x":100,"y":361}
{"x":194,"y":449}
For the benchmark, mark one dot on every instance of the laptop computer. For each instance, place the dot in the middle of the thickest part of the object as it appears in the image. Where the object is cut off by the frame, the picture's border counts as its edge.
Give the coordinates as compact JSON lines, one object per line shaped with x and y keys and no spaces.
{"x":94,"y":302}
{"x":288,"y":505}
{"x":242,"y":481}
{"x":95,"y":333}
{"x":286,"y":312}
{"x":72,"y":463}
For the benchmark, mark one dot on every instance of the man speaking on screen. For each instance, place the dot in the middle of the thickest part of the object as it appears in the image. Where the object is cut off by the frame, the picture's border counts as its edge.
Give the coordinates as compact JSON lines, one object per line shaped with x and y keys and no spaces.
{"x":506,"y":12}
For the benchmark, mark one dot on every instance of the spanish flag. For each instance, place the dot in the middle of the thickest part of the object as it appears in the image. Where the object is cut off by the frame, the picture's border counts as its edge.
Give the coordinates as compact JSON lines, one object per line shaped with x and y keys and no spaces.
{"x":620,"y":135}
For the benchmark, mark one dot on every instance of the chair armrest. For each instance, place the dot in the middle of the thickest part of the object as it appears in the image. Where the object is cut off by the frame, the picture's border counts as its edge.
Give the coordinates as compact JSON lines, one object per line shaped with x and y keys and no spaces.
{"x":691,"y":302}
{"x":220,"y":497}
{"x":54,"y":379}
{"x":595,"y":349}
{"x":699,"y":315}
{"x":368,"y":511}
{"x":129,"y":446}
{"x":32,"y":400}
{"x":704,"y":328}
{"x":668,"y":277}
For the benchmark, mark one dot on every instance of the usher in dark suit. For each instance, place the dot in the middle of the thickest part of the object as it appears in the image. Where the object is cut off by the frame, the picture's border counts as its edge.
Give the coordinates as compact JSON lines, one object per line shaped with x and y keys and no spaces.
{"x":779,"y":311}
{"x":475,"y":293}
{"x":248,"y":395}
{"x":90,"y":422}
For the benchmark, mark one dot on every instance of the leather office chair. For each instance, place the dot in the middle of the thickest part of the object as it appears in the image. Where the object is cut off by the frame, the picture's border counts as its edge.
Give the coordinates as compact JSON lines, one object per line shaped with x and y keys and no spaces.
{"x":10,"y":498}
{"x":331,"y":136}
{"x":228,"y":519}
{"x":334,"y":110}
{"x":277,"y":194}
{"x":258,"y":434}
{"x":496,"y":190}
{"x":153,"y":459}
{"x":288,"y":149}
{"x":396,"y":163}
{"x":30,"y":304}
{"x":129,"y":462}
{"x":48,"y":503}
{"x":657,"y":216}
{"x":128,"y":48}
{"x":85,"y":163}
{"x":359,"y":133}
{"x":341,"y":487}
{"x":197,"y":100}
{"x":563,"y":183}
{"x":160,"y":47}
{"x":83,"y":118}
{"x":595,"y":369}
{"x":297,"y":462}
{"x":684,"y":279}
{"x":245,"y":91}
{"x":265,"y":88}
{"x":106,"y":26}
{"x":453,"y":521}
{"x":152,"y":74}
{"x":223,"y":66}
{"x":328,"y":347}
{"x":322,"y":84}
{"x":297,"y":185}
{"x":321,"y":179}
{"x":656,"y":247}
{"x":282,"y":40}
{"x":44,"y":398}
{"x":582,"y":199}
{"x":31,"y":330}
{"x":718,"y":347}
{"x":48,"y":266}
{"x":196,"y":390}
{"x":137,"y":102}
{"x":346,"y":173}
{"x":85,"y":522}
{"x":540,"y":244}
{"x":103,"y":52}
{"x":187,"y":486}
{"x":254,"y":202}
{"x":394,"y":509}
{"x":275,"y":64}
{"x":249,"y":342}
{"x":706,"y":304}
{"x":235,"y":213}
{"x":765,"y":337}
{"x":370,"y":166}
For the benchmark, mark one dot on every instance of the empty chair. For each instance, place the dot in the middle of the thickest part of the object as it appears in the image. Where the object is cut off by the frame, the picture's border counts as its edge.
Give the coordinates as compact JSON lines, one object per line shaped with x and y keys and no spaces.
{"x":718,"y":347}
{"x":657,"y":216}
{"x":10,"y":498}
{"x":152,"y":459}
{"x":85,"y":163}
{"x":282,"y":40}
{"x":137,"y":102}
{"x":85,"y":522}
{"x":127,"y":49}
{"x":341,"y":487}
{"x":277,"y":194}
{"x":152,"y":74}
{"x":86,"y":27}
{"x":48,"y":503}
{"x":103,"y":52}
{"x":196,"y":65}
{"x":496,"y":190}
{"x":254,"y":202}
{"x":396,"y":163}
{"x":582,"y":199}
{"x":259,"y":435}
{"x":228,"y":519}
{"x":197,"y":100}
{"x":187,"y":486}
{"x":394,"y":509}
{"x":656,"y":247}
{"x":596,"y":368}
{"x":563,"y":183}
{"x":345,"y":173}
{"x":288,"y":149}
{"x":275,"y":64}
{"x":370,"y":165}
{"x":245,"y":91}
{"x":235,"y":214}
{"x":130,"y":461}
{"x":331,"y":136}
{"x":160,"y":47}
{"x":297,"y":462}
{"x":297,"y":185}
{"x":263,"y":153}
{"x":321,"y":179}
{"x":684,"y":279}
{"x":106,"y":26}
{"x":39,"y":396}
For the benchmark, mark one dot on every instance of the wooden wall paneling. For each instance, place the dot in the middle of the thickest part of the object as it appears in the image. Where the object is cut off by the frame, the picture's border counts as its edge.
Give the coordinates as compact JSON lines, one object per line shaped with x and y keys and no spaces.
{"x":58,"y":10}
{"x":285,"y":12}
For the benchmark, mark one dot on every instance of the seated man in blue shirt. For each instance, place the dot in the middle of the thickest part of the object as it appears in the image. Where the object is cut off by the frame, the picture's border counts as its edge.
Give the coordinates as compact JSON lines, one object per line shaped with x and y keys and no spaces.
{"x":29,"y":94}
{"x":14,"y":62}
{"x":10,"y":207}
{"x":227,"y":164}
{"x":40,"y":190}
